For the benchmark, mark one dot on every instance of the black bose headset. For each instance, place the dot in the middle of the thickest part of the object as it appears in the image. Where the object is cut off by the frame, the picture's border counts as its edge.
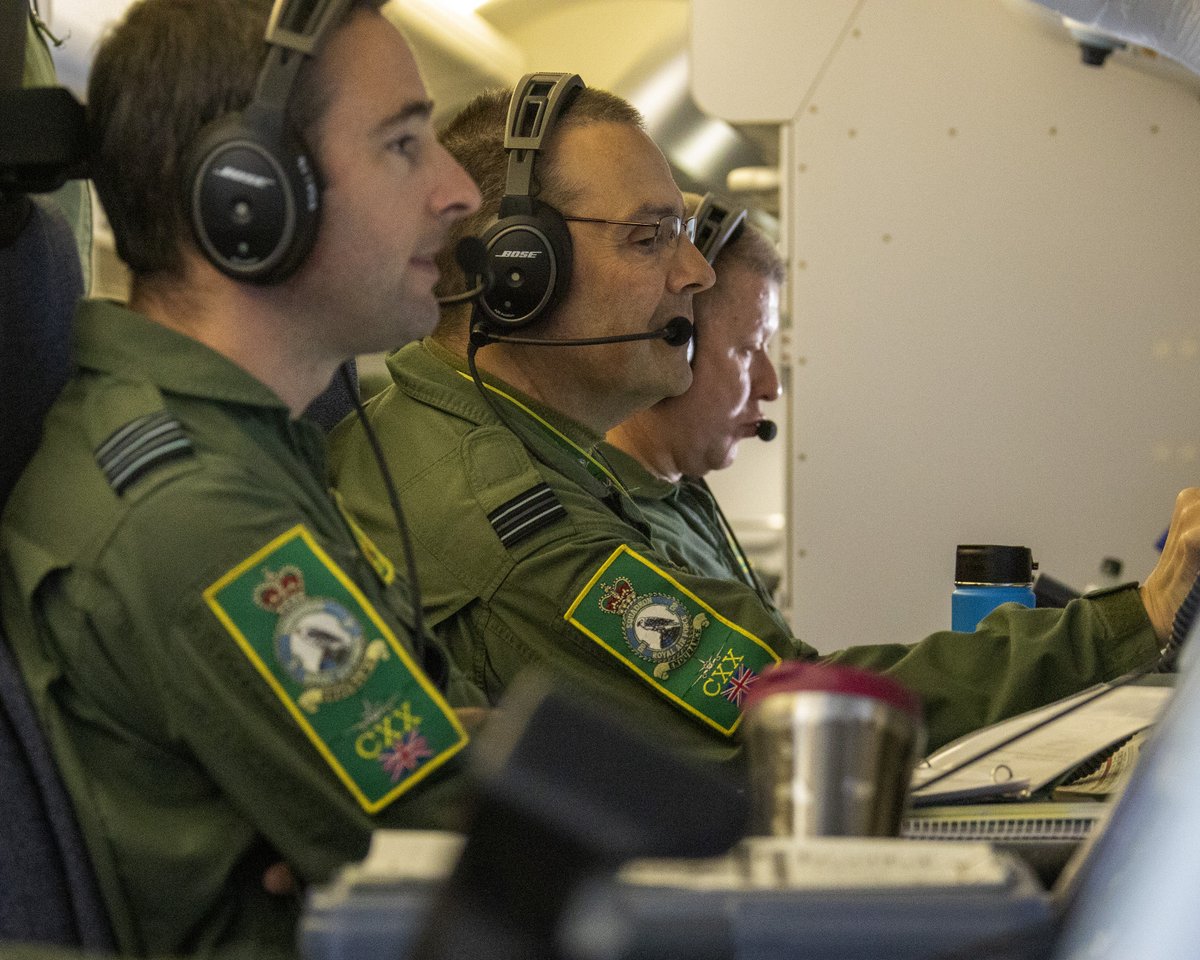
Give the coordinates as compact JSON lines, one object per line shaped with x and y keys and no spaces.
{"x":718,"y":222}
{"x":529,"y":246}
{"x":251,"y":189}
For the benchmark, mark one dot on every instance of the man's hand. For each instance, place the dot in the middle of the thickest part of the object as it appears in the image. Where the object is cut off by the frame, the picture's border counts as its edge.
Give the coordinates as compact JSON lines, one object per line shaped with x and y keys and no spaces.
{"x":279,"y":881}
{"x":472,"y":718}
{"x":1177,"y":568}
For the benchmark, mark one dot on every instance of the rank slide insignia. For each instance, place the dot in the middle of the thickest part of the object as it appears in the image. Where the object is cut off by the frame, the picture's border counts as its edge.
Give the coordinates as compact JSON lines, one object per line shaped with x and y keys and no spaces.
{"x":334,"y":663}
{"x":671,"y":638}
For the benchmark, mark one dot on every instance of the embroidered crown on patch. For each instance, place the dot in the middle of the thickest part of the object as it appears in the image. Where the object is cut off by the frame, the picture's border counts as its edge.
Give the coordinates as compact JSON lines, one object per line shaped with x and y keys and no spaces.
{"x":280,"y":589}
{"x":617,"y":596}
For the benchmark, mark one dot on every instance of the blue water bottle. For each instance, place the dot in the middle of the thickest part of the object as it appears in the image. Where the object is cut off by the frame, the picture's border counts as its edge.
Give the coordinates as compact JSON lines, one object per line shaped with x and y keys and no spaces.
{"x":985,"y":576}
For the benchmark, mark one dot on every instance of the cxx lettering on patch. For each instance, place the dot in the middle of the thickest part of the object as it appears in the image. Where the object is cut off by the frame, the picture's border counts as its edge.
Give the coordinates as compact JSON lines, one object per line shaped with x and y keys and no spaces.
{"x":338,"y":668}
{"x":671,"y":638}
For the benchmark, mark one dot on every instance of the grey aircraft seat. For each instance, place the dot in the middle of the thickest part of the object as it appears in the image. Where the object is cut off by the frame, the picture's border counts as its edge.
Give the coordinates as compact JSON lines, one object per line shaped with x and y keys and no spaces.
{"x":48,"y":892}
{"x":40,"y":282}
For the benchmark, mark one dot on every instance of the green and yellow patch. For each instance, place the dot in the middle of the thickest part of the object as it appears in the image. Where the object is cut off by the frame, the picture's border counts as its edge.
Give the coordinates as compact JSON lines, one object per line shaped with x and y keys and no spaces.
{"x":671,"y":638}
{"x":337,"y":667}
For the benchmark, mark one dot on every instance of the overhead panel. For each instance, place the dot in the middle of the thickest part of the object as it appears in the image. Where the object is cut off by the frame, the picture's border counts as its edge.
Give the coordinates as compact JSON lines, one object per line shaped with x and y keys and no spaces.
{"x":754,"y":62}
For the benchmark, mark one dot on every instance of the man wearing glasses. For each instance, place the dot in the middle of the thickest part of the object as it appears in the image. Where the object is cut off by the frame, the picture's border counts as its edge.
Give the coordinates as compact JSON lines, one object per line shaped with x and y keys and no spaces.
{"x":530,"y":550}
{"x":512,"y":511}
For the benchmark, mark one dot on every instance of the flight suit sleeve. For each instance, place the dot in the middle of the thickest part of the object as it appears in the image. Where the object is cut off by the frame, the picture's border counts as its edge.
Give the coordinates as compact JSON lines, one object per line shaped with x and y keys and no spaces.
{"x":577,"y":594}
{"x":516,"y":563}
{"x":1017,"y":660}
{"x":236,"y":649}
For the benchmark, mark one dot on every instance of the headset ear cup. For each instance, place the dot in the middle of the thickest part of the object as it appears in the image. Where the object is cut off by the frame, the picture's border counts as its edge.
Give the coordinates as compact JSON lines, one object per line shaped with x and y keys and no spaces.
{"x":530,"y":257}
{"x":253,"y":200}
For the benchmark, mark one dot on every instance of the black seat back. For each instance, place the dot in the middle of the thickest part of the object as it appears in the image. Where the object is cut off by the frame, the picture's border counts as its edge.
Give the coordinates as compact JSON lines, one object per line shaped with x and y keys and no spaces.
{"x":48,"y":891}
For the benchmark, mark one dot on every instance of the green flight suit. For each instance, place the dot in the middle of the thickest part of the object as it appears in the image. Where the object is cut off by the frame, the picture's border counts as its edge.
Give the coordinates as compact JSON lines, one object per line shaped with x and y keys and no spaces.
{"x":960,"y":694}
{"x":687,"y":523}
{"x":502,"y":599}
{"x":168,"y":561}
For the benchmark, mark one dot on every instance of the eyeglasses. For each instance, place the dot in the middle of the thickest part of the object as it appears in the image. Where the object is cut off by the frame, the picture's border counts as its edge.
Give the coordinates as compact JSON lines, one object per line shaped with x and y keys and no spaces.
{"x":667,"y":231}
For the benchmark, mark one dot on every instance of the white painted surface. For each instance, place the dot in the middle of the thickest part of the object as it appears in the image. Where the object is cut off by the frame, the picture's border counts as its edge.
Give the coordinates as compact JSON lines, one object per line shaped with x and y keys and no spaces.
{"x":755,"y":62}
{"x":994,"y":298}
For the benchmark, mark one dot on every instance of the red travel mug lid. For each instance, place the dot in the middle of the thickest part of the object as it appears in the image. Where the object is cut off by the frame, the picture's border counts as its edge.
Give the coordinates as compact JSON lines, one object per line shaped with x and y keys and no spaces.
{"x":799,"y":676}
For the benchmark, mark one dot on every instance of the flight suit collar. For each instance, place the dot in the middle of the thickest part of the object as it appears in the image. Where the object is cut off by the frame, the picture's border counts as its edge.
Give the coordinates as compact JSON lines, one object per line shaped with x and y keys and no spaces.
{"x":577,"y":432}
{"x":637,"y":479}
{"x":114,"y":339}
{"x":435,"y":375}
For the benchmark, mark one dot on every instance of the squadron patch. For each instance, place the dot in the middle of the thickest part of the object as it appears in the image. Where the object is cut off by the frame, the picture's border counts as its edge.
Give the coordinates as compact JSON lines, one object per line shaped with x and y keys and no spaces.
{"x":657,"y":626}
{"x":330,"y":658}
{"x":671,"y":638}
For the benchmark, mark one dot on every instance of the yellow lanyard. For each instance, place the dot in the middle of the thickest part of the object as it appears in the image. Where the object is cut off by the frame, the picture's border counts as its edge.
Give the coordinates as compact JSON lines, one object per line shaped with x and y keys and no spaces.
{"x":594,"y":466}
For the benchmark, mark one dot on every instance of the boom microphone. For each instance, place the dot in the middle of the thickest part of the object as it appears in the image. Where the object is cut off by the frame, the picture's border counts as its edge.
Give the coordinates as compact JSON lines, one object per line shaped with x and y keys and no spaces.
{"x":766,"y":430}
{"x":677,"y":332}
{"x":471,"y":255}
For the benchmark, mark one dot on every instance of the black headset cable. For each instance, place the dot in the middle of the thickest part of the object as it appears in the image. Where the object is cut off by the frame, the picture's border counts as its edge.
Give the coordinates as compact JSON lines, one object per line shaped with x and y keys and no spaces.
{"x":418,"y":624}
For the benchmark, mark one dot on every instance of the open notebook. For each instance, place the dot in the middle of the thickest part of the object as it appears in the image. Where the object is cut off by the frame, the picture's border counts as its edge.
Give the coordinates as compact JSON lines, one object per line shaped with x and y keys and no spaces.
{"x":1022,"y":756}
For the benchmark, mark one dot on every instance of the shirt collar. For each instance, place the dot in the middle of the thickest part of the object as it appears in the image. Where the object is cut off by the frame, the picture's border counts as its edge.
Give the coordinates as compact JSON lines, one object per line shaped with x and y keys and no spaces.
{"x":112,"y":338}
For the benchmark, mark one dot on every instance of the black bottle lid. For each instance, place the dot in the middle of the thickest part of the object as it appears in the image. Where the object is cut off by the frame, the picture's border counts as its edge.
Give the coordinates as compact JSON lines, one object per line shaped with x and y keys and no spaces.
{"x":990,"y":563}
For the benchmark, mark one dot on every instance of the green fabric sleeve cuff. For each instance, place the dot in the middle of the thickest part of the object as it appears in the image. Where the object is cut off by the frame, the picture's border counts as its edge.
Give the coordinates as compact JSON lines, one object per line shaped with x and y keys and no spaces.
{"x":1124,"y":617}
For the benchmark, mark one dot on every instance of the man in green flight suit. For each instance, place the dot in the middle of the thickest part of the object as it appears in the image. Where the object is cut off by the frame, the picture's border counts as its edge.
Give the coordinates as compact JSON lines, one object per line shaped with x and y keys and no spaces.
{"x":531,"y":549}
{"x":229,"y":673}
{"x":661,"y":454}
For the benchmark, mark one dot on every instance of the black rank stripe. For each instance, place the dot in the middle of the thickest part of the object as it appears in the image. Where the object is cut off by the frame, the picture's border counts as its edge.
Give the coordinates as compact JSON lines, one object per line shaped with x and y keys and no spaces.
{"x":526,"y":514}
{"x":140,"y":445}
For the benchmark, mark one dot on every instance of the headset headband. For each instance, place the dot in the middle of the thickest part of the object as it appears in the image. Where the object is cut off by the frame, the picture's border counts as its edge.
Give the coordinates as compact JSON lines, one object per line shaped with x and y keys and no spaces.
{"x":718,"y":222}
{"x":294,"y":27}
{"x":537,"y":101}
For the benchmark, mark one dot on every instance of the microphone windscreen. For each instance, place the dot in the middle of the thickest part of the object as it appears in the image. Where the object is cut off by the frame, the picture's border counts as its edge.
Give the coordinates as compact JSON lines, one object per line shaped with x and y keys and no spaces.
{"x":471,"y":255}
{"x":766,"y":430}
{"x":678,"y":331}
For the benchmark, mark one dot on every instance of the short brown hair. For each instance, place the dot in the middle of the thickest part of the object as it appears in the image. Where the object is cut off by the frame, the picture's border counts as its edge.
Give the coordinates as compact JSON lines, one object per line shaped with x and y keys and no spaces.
{"x":755,"y":251}
{"x":475,"y":138}
{"x":168,"y":69}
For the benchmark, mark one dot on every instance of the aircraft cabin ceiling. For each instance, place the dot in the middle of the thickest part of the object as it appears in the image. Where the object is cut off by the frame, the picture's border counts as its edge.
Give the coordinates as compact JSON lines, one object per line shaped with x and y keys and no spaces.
{"x":636,"y":48}
{"x":640,"y":49}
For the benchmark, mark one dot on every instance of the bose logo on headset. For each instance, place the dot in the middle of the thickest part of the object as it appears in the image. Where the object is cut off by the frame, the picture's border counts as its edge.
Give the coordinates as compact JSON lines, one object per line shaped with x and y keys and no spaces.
{"x":244,"y":176}
{"x":263,"y":234}
{"x":527,"y":229}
